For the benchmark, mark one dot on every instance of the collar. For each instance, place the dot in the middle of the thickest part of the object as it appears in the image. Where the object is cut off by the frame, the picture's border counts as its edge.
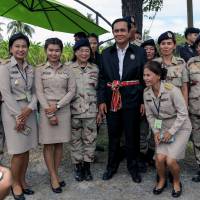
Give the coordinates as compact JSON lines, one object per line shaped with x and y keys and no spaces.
{"x":76,"y":65}
{"x":123,"y":50}
{"x":14,"y":62}
{"x":113,"y":48}
{"x":47,"y":65}
{"x":162,"y":90}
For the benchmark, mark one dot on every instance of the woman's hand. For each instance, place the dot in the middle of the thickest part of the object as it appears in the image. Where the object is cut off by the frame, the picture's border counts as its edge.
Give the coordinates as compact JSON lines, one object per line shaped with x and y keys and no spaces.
{"x":53,"y":121}
{"x":51,"y":109}
{"x":166,"y":137}
{"x":157,"y":138}
{"x":20,"y":125}
{"x":25,"y":114}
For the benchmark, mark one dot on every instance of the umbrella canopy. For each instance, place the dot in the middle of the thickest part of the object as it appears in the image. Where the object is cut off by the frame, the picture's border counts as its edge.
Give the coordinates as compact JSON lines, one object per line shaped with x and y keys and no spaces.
{"x":49,"y":14}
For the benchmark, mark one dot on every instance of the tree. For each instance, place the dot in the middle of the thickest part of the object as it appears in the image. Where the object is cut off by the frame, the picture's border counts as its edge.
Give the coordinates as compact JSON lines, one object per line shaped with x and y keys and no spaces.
{"x":18,"y":26}
{"x":137,"y":7}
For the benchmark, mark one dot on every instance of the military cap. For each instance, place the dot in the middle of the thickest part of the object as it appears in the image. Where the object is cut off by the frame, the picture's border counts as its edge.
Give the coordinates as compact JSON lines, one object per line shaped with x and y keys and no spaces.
{"x":191,"y":30}
{"x":18,"y":36}
{"x":197,"y":41}
{"x":81,"y":43}
{"x":130,"y":19}
{"x":167,"y":35}
{"x":149,"y":42}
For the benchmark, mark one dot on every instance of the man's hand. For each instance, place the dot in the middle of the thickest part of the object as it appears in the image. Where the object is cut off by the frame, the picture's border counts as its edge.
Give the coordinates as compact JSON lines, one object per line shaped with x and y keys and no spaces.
{"x":157,"y":138}
{"x":51,"y":109}
{"x":142,"y":109}
{"x":103,"y":109}
{"x":167,"y":136}
{"x":99,"y":119}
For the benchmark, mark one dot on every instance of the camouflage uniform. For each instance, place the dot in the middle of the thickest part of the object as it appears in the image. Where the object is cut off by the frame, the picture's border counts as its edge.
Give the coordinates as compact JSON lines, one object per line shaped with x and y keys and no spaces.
{"x":194,"y":103}
{"x":84,"y":111}
{"x":176,"y":73}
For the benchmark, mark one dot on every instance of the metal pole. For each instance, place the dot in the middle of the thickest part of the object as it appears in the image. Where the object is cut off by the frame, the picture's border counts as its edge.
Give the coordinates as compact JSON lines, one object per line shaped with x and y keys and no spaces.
{"x":190,"y":13}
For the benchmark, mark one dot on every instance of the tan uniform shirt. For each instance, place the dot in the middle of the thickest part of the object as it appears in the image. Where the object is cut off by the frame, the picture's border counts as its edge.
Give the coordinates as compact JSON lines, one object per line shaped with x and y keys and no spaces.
{"x":176,"y":72}
{"x":193,"y":67}
{"x":173,"y":111}
{"x":84,"y":105}
{"x":14,"y":88}
{"x":54,"y":85}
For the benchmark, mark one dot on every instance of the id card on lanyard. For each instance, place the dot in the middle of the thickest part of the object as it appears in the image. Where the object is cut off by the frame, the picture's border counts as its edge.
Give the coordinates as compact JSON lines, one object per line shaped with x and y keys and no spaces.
{"x":25,"y":78}
{"x":157,"y":122}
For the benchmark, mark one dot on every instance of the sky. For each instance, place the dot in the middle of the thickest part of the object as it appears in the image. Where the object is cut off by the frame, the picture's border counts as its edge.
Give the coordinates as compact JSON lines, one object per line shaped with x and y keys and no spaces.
{"x":173,"y":16}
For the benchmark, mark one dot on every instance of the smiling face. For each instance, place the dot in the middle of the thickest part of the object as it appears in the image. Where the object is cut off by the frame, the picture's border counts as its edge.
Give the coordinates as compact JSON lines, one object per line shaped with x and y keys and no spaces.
{"x":150,"y":77}
{"x":82,"y":54}
{"x":167,"y":47}
{"x":150,"y":51}
{"x":121,"y":33}
{"x":53,"y":52}
{"x":19,"y":49}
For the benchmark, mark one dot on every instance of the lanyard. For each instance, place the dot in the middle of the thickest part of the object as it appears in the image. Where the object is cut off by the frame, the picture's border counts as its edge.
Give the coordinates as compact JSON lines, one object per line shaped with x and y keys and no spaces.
{"x":25,"y":78}
{"x":157,"y":106}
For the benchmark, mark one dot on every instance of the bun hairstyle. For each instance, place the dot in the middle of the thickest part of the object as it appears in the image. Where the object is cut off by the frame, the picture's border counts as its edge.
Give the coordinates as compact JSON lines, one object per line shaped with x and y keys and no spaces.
{"x":157,"y":69}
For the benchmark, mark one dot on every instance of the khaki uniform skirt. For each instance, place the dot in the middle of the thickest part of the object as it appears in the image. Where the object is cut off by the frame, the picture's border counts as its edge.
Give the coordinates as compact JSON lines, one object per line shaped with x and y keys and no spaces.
{"x":17,"y":142}
{"x":49,"y":134}
{"x":176,"y":149}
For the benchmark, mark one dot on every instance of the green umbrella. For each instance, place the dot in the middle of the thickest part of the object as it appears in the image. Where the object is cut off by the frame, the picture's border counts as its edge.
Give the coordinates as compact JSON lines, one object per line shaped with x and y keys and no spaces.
{"x":49,"y":14}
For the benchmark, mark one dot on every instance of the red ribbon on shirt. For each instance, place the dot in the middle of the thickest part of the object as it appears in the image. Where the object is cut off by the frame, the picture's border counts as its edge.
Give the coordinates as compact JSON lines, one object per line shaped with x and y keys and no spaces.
{"x":116,"y":102}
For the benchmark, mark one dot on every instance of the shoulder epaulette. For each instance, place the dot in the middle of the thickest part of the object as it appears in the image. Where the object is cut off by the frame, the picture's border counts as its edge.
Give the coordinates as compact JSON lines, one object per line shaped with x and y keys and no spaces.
{"x":4,"y":61}
{"x":180,"y":60}
{"x":41,"y":65}
{"x":168,"y":86}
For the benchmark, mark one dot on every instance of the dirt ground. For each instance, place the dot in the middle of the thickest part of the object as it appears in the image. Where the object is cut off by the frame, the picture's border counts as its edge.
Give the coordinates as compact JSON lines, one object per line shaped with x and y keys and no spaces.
{"x":120,"y":187}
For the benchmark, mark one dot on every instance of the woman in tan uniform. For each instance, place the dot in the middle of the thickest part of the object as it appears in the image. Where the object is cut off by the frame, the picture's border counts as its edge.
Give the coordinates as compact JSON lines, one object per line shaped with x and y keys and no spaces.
{"x":55,"y":88}
{"x":167,"y":115}
{"x":176,"y":67}
{"x":194,"y":104}
{"x":18,"y":111}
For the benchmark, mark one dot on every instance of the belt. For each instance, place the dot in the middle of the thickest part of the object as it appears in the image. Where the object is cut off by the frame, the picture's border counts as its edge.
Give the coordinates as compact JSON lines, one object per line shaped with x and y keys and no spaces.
{"x":116,"y":102}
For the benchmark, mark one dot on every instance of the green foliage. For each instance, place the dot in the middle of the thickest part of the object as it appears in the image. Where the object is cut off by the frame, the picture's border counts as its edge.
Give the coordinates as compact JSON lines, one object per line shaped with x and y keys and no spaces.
{"x":36,"y":53}
{"x":18,"y":26}
{"x":152,"y":5}
{"x":180,"y":39}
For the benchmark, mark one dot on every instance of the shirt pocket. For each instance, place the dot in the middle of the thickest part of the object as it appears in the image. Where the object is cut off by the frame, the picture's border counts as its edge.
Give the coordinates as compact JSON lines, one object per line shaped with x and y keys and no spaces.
{"x":194,"y":105}
{"x":174,"y":75}
{"x":93,"y":104}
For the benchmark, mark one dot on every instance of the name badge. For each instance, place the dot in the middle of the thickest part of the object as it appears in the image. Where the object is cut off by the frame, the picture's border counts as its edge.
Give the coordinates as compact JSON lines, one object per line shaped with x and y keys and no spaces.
{"x":158,"y":124}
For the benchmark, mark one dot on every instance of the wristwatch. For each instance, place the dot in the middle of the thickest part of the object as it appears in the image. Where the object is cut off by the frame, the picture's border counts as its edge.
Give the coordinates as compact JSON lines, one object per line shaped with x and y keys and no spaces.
{"x":57,"y":106}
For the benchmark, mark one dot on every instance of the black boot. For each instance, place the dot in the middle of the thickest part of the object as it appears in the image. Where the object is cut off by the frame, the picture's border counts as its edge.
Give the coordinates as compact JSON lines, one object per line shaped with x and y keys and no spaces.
{"x":78,"y":172}
{"x":87,"y":172}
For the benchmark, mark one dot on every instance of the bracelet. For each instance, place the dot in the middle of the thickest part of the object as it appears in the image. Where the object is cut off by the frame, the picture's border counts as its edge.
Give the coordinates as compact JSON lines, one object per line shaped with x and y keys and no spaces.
{"x":51,"y":115}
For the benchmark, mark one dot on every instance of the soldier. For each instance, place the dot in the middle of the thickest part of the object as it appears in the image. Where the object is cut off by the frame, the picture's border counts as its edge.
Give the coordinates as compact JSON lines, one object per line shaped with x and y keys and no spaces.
{"x":18,"y":111}
{"x":187,"y":51}
{"x":167,"y":115}
{"x":176,"y":67}
{"x":134,"y":35}
{"x":194,"y":103}
{"x":147,"y":144}
{"x":84,"y":110}
{"x":55,"y":88}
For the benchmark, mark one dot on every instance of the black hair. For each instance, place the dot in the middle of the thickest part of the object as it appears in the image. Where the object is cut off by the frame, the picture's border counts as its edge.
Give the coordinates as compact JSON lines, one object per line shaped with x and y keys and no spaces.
{"x":53,"y":41}
{"x":18,"y":36}
{"x":121,"y":20}
{"x":90,"y":60}
{"x":157,"y":69}
{"x":80,"y":35}
{"x":94,"y":36}
{"x":138,"y":32}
